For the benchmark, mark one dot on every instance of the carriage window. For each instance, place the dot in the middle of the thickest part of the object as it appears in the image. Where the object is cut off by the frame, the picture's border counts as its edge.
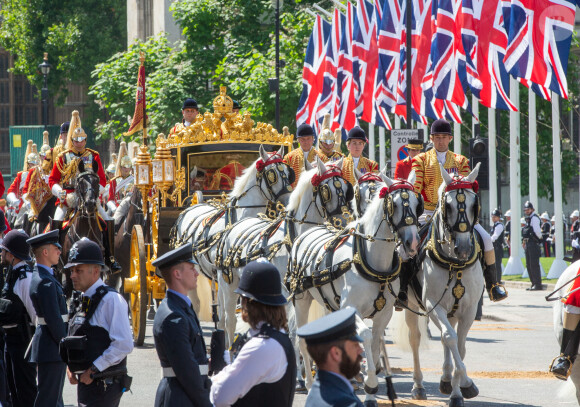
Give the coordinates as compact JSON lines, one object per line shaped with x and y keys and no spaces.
{"x":217,"y":171}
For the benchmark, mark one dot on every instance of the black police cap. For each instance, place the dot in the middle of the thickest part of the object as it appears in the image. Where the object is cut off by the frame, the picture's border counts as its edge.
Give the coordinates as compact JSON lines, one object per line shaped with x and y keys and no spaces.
{"x":14,"y":242}
{"x":51,"y":237}
{"x":305,"y":130}
{"x":261,"y":282}
{"x":189,"y":103}
{"x":496,"y":212}
{"x":3,"y":226}
{"x":336,"y":326}
{"x":64,"y":127}
{"x":528,"y":205}
{"x":441,"y":126}
{"x":85,"y":251}
{"x":356,"y":133}
{"x":181,"y":254}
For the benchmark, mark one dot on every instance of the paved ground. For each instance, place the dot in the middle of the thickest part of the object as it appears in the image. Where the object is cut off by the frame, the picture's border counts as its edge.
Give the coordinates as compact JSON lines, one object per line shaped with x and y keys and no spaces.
{"x":508,"y":354}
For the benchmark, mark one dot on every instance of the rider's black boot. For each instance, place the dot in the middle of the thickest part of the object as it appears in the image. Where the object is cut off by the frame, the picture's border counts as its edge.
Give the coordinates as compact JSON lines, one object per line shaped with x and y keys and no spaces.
{"x":109,"y":243}
{"x":404,"y":277}
{"x":562,"y":365}
{"x":496,"y":291}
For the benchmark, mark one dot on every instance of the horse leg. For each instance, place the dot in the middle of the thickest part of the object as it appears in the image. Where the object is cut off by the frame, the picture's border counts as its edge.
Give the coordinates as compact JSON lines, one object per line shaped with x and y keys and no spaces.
{"x":371,"y":382}
{"x":468,"y":388}
{"x":449,"y":340}
{"x":418,"y":391}
{"x":301,"y":307}
{"x":228,"y":301}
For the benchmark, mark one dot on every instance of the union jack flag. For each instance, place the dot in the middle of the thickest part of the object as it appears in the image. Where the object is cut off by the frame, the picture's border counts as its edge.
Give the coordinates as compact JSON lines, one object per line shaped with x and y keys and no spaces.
{"x":423,"y":102}
{"x":540,"y":34}
{"x":484,"y":41}
{"x":344,"y":109}
{"x":329,"y":94}
{"x":313,"y":72}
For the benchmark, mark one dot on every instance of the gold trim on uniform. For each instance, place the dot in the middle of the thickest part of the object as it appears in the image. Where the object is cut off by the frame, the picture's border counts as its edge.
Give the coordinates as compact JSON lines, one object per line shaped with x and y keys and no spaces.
{"x":295,"y":159}
{"x":335,"y":156}
{"x":364,"y":165}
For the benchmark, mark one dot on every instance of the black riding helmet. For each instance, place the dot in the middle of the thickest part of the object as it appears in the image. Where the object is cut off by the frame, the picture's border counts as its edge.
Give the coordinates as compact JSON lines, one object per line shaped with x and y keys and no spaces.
{"x":261,"y":282}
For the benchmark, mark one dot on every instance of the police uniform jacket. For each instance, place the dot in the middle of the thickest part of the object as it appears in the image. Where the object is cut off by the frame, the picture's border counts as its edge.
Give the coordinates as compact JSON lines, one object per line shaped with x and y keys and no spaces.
{"x":364,"y":165}
{"x":60,"y":173}
{"x":295,"y":159}
{"x":49,"y":302}
{"x":21,"y":276}
{"x":180,"y":346}
{"x":428,"y":175}
{"x":545,"y":231}
{"x":575,"y":230}
{"x":329,"y":390}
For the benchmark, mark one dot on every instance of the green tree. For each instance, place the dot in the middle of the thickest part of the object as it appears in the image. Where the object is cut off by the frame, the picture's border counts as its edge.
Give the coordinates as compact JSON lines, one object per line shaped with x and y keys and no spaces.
{"x":77,"y":34}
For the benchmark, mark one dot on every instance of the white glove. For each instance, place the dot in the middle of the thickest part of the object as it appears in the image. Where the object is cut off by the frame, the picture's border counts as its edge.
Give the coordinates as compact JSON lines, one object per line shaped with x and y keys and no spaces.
{"x":13,"y":200}
{"x":575,"y":244}
{"x":111,"y":206}
{"x":227,"y":357}
{"x":58,"y":192}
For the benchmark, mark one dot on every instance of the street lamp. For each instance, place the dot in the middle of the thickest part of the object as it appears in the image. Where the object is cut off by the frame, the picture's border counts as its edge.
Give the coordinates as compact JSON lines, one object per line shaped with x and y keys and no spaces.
{"x":45,"y":70}
{"x":275,"y":82}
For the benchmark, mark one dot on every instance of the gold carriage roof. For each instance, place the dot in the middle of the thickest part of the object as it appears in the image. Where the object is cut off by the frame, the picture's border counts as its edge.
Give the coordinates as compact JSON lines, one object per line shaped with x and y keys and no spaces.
{"x":225,"y":126}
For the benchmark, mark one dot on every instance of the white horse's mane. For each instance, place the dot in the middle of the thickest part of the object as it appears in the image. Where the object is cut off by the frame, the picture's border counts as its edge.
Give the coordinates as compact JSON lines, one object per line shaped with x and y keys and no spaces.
{"x":304,"y":183}
{"x":242,"y":181}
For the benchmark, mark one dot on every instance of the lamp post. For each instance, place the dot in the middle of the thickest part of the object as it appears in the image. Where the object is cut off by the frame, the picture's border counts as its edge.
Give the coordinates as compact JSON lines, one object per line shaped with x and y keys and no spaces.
{"x":275,"y":83}
{"x":45,"y":70}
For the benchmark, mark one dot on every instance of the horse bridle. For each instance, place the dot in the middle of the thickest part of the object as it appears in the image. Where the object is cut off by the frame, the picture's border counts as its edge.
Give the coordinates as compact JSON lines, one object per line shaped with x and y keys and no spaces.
{"x":371,"y":179}
{"x":90,"y":188}
{"x":333,"y":175}
{"x":462,"y":223}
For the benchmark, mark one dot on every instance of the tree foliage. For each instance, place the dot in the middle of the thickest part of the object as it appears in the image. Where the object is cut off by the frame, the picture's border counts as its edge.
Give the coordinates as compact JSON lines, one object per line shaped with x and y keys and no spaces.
{"x":77,"y":34}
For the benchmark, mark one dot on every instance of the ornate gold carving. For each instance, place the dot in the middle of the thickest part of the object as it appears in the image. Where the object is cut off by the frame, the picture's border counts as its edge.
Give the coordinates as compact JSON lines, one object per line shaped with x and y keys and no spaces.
{"x":458,"y":290}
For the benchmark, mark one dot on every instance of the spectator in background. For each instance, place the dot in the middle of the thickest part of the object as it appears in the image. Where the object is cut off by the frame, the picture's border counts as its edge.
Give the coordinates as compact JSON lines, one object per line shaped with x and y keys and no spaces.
{"x":545,"y":218}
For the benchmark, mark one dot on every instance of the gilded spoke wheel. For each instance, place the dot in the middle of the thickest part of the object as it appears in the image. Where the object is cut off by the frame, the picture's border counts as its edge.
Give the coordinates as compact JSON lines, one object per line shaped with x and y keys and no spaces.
{"x":136,"y":285}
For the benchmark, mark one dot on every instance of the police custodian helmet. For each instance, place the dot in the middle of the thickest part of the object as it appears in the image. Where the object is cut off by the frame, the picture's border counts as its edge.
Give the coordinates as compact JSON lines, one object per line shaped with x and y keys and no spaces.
{"x":85,"y":251}
{"x":261,"y":282}
{"x":14,"y":242}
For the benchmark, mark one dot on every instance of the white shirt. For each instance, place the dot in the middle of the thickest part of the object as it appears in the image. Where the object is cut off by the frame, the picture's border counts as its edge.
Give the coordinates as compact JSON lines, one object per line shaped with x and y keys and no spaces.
{"x":112,"y":314}
{"x":355,"y":161}
{"x":22,"y":290}
{"x":441,"y":156}
{"x":497,"y":230}
{"x":261,"y":360}
{"x":535,"y":224}
{"x":186,"y":123}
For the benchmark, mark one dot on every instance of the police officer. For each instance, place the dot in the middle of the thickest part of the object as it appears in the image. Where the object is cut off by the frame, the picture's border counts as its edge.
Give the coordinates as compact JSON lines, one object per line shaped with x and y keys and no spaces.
{"x":334,"y":345}
{"x":101,"y":325}
{"x":50,"y":306}
{"x":497,"y":236}
{"x":532,"y":236}
{"x":17,"y":316}
{"x":178,"y":335}
{"x":264,"y":371}
{"x":545,"y":218}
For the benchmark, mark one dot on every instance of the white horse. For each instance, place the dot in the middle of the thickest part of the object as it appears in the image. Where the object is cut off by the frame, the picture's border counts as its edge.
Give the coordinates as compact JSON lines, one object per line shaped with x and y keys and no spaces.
{"x":261,"y":186}
{"x":358,"y":268}
{"x":320,"y":195}
{"x":366,"y":186}
{"x":558,"y":310}
{"x":452,"y":284}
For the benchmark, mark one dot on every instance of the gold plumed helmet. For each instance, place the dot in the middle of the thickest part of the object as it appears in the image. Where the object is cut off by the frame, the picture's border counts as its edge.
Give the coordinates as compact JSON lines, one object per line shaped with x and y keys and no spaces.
{"x":326,"y":135}
{"x":75,"y":124}
{"x":111,"y":168}
{"x":33,"y":159}
{"x":337,"y":139}
{"x":26,"y":154}
{"x":123,"y":159}
{"x":45,"y":145}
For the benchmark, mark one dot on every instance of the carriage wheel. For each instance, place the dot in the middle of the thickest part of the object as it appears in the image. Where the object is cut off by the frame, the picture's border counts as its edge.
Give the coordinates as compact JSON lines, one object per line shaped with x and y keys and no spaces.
{"x":138,"y":285}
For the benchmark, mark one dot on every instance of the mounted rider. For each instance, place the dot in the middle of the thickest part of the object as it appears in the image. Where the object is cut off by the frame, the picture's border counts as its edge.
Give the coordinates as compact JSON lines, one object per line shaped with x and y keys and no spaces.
{"x":355,"y":142}
{"x":36,"y":190}
{"x":189,"y":110}
{"x":429,"y":178}
{"x":66,"y":169}
{"x":329,"y":142}
{"x":110,"y":174}
{"x":295,"y":158}
{"x":60,"y":145}
{"x":122,"y":184}
{"x":404,"y":167}
{"x":45,"y":154}
{"x":15,"y":192}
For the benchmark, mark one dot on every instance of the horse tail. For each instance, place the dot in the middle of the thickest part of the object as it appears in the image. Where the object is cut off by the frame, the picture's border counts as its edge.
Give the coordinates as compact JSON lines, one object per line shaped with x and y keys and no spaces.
{"x":400,"y":331}
{"x":316,"y":311}
{"x":204,"y":296}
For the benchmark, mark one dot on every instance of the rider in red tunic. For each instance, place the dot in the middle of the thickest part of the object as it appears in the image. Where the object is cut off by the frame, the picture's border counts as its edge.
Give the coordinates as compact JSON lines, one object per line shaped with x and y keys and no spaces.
{"x":562,"y":365}
{"x":404,"y":167}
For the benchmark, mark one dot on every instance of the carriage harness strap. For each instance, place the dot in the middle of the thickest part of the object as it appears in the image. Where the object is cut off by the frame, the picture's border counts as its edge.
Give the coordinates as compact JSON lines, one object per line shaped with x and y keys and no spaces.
{"x":455,"y":268}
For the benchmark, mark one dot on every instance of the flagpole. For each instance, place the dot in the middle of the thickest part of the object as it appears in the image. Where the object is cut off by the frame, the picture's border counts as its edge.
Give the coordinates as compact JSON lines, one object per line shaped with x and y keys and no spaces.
{"x":492,"y":137}
{"x":533,"y":150}
{"x":409,"y":15}
{"x":145,"y":138}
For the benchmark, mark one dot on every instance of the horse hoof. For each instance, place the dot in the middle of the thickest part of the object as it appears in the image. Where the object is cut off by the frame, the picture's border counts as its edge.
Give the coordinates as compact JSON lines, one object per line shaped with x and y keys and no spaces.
{"x":371,"y":403}
{"x":469,"y":392}
{"x":456,"y":402}
{"x":445,"y":387}
{"x":371,"y":390}
{"x":300,"y":386}
{"x":419,"y":394}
